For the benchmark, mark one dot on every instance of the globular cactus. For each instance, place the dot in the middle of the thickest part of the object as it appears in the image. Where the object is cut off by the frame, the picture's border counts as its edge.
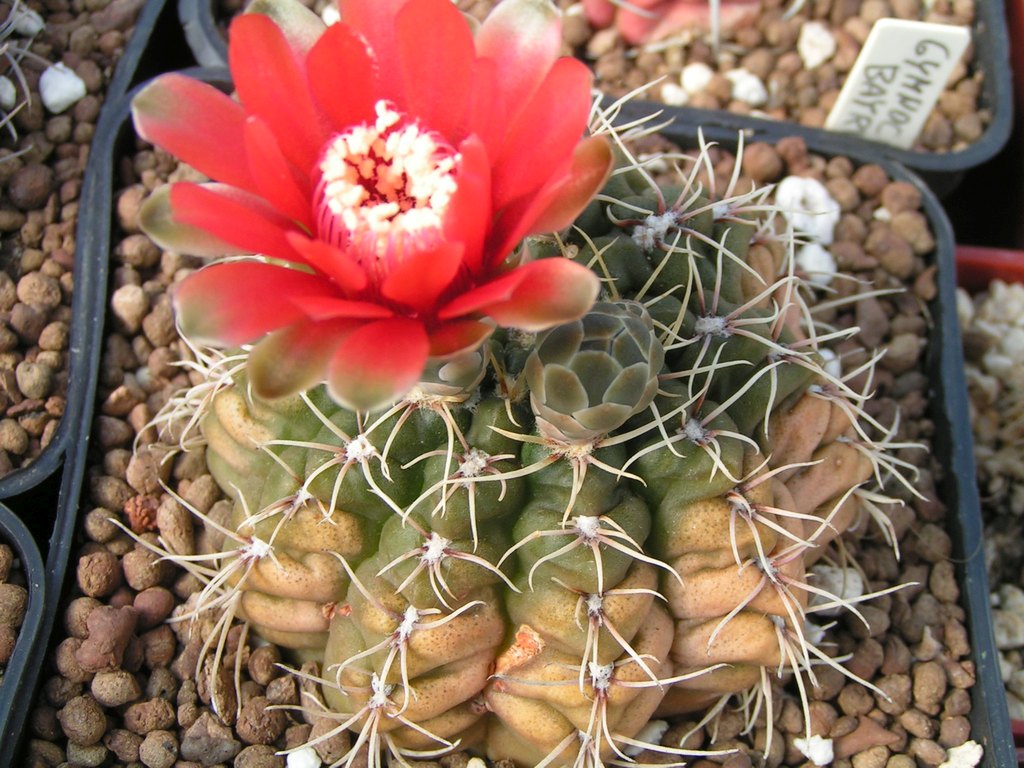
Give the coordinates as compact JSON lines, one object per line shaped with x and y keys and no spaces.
{"x":562,"y":535}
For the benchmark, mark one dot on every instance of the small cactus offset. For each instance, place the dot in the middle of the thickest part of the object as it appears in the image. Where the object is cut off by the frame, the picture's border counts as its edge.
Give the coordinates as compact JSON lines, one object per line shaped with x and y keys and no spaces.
{"x":590,"y":517}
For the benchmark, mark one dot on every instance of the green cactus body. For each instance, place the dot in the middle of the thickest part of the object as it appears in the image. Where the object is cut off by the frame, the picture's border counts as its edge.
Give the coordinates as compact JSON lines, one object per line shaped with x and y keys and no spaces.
{"x":543,"y":549}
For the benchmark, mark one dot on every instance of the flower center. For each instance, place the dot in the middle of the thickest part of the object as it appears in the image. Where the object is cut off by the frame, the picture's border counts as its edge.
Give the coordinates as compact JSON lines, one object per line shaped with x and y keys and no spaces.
{"x":384,"y":188}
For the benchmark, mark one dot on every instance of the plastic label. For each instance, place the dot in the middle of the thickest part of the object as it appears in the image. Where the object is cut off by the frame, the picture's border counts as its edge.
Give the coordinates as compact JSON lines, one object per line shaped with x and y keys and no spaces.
{"x":897,"y":79}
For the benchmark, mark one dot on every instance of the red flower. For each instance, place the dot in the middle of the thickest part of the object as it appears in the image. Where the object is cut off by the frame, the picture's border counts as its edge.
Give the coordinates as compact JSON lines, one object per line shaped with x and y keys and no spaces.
{"x":387,"y":166}
{"x":643,"y":21}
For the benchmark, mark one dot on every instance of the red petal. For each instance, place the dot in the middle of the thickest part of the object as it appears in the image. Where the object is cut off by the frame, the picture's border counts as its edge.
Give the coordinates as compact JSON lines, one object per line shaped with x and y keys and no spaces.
{"x":555,"y":206}
{"x":461,"y":336}
{"x":524,"y":38}
{"x":332,"y":262}
{"x":497,"y":290}
{"x":235,"y":217}
{"x":329,"y":307}
{"x":271,"y":83}
{"x":420,"y":279}
{"x":275,"y":177}
{"x":378,"y":363}
{"x":196,"y":123}
{"x":542,"y":137}
{"x":486,"y":109}
{"x":342,"y":76}
{"x":546,"y":293}
{"x":437,"y":66}
{"x":239,"y":301}
{"x":156,"y":219}
{"x":375,"y":21}
{"x":295,"y":358}
{"x":468,"y":216}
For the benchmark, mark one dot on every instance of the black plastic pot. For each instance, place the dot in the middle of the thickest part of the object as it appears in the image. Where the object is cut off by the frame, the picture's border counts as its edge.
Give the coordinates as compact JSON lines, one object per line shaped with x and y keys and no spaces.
{"x":45,"y":498}
{"x":16,"y":684}
{"x":952,"y":438}
{"x":205,"y":37}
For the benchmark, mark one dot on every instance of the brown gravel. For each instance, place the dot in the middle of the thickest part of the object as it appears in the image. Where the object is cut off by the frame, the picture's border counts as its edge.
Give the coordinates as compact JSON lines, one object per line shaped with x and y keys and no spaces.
{"x":13,"y":603}
{"x":38,"y":214}
{"x":765,"y":47}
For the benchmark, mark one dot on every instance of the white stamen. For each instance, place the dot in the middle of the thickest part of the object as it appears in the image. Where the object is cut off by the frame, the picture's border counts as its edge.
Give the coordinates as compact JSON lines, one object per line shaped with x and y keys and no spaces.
{"x":383,"y":185}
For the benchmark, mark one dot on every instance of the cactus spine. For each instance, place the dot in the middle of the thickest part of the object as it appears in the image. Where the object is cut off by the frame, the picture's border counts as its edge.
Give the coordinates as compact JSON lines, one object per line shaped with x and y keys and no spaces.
{"x":562,"y":536}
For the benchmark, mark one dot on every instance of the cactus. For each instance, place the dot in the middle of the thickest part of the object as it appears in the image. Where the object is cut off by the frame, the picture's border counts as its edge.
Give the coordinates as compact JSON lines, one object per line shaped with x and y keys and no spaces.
{"x":560,"y":536}
{"x":583,"y":516}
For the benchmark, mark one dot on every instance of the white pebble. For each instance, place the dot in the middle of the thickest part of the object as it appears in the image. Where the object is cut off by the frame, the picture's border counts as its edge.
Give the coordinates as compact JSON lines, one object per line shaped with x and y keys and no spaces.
{"x":304,"y":758}
{"x":830,"y":362}
{"x":330,"y":14}
{"x":967,"y":755}
{"x":476,"y":762}
{"x":808,"y":206}
{"x":747,"y":87}
{"x":816,"y":44}
{"x":844,"y":583}
{"x":26,"y":22}
{"x":649,"y":734}
{"x":8,"y":94}
{"x":695,"y":77}
{"x":60,"y":87}
{"x":674,"y":95}
{"x":882,"y":214}
{"x":816,"y":749}
{"x":1008,"y":629}
{"x":817,"y":263}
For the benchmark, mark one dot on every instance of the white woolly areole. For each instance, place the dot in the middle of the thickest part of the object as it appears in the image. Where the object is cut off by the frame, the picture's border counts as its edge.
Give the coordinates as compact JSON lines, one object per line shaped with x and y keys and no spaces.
{"x":844,"y":583}
{"x":600,"y":675}
{"x":8,"y":94}
{"x":587,"y":526}
{"x":816,"y":749}
{"x":59,"y":88}
{"x":817,"y":262}
{"x":304,"y":758}
{"x":595,"y":605}
{"x":434,"y":548}
{"x":695,"y":77}
{"x":712,"y":325}
{"x":256,"y":549}
{"x":808,"y":206}
{"x":747,"y":87}
{"x":967,"y":755}
{"x":360,"y":449}
{"x":694,"y":431}
{"x":651,"y":232}
{"x":816,"y":44}
{"x":384,"y":185}
{"x":474,"y":462}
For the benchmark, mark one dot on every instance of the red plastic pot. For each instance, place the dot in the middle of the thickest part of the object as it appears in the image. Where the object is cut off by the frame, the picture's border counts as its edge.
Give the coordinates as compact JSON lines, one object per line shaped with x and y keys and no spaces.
{"x":976,"y":266}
